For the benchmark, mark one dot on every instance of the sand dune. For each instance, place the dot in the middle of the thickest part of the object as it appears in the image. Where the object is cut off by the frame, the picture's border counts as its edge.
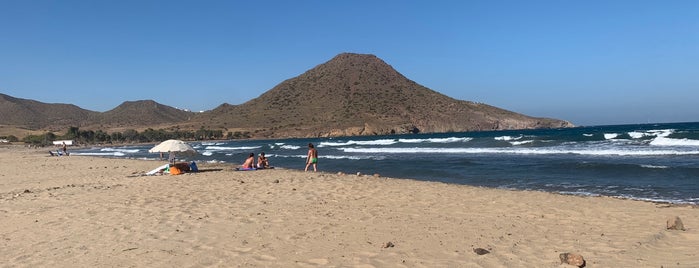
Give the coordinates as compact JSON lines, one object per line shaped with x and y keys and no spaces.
{"x":95,"y":212}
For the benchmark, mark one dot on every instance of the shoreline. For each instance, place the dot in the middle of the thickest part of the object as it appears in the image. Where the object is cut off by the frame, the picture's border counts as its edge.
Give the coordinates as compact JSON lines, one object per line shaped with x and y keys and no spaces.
{"x":93,"y":211}
{"x":222,"y":162}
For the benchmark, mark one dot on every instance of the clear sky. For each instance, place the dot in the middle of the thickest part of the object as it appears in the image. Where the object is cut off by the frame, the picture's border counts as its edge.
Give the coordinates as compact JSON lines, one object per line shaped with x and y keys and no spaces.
{"x":589,"y":62}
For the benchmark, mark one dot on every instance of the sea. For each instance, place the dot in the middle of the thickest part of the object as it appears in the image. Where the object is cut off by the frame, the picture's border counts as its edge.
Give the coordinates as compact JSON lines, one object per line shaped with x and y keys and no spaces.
{"x":650,"y":162}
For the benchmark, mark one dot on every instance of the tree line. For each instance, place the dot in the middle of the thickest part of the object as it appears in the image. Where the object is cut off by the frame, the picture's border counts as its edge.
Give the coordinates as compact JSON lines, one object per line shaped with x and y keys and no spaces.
{"x":128,"y":136}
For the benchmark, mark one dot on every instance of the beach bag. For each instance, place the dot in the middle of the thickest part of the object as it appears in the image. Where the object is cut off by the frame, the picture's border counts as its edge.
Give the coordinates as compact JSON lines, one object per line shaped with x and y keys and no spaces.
{"x":193,"y":167}
{"x":174,"y":170}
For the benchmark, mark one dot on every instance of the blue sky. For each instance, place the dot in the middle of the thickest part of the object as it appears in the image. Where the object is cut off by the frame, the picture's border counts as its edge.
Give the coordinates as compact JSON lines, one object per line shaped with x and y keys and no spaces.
{"x":589,"y":62}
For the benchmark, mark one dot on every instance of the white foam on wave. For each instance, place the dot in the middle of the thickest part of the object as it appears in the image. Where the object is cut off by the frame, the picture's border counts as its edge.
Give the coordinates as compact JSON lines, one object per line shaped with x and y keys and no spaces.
{"x":516,"y":143}
{"x":349,"y":157}
{"x":651,"y":133}
{"x":663,"y":141}
{"x":654,"y":166}
{"x":116,"y":153}
{"x":588,"y":135}
{"x":344,"y":157}
{"x":578,"y":193}
{"x":206,"y":153}
{"x":533,"y":151}
{"x":122,"y":150}
{"x":223,"y":148}
{"x":436,"y":140}
{"x":656,"y":200}
{"x":507,"y":138}
{"x":615,"y":194}
{"x":290,"y":147}
{"x":661,"y":132}
{"x":211,"y":143}
{"x":638,"y":135}
{"x":609,"y":136}
{"x":353,"y":142}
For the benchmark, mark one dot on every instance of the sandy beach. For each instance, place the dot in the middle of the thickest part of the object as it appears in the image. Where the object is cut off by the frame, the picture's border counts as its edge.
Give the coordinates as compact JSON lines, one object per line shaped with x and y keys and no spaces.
{"x":81,"y":211}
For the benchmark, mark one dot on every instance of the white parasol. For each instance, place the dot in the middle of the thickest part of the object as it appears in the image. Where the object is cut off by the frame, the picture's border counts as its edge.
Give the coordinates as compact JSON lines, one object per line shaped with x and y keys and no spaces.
{"x":173,"y":146}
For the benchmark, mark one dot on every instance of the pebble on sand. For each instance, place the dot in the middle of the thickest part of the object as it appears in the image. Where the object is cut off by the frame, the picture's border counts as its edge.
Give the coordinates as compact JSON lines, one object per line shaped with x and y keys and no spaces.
{"x":572,"y":259}
{"x":481,"y":251}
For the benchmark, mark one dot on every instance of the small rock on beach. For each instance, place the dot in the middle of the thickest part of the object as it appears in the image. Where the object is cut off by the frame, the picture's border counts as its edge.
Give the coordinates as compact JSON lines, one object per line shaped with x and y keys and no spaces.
{"x":572,"y":259}
{"x":481,"y":251}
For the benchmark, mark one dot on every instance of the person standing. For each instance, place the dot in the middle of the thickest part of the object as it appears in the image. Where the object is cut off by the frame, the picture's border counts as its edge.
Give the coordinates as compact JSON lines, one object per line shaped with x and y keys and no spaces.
{"x":312,"y":158}
{"x":65,"y":148}
{"x":171,"y":157}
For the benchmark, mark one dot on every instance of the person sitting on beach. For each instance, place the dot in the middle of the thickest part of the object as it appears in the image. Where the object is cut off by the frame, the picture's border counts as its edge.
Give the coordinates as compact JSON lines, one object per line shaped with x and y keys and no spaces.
{"x":249,"y":162}
{"x":262,"y":161}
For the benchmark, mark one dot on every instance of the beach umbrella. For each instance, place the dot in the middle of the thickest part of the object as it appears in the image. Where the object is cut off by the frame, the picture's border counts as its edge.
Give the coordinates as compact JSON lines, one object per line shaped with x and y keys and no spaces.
{"x":172,"y":147}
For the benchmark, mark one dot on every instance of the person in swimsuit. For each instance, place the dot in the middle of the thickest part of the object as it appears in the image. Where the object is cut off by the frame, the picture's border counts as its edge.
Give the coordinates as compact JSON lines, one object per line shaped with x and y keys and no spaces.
{"x":249,"y":162}
{"x":312,"y":158}
{"x":262,"y":161}
{"x":65,"y":149}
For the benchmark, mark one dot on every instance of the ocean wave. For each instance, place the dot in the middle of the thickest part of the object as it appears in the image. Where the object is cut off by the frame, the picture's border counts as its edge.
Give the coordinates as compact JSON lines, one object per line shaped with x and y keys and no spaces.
{"x":653,"y":166}
{"x":650,"y":133}
{"x":516,"y":143}
{"x":223,"y":148}
{"x":115,"y":153}
{"x":533,"y":151}
{"x":661,"y":132}
{"x":658,"y":200}
{"x":122,"y":150}
{"x":212,"y":143}
{"x":663,"y":141}
{"x":436,"y":140}
{"x":353,"y":142}
{"x":290,"y":147}
{"x":348,"y":157}
{"x":508,"y":138}
{"x":609,"y":136}
{"x":579,"y":193}
{"x":638,"y":135}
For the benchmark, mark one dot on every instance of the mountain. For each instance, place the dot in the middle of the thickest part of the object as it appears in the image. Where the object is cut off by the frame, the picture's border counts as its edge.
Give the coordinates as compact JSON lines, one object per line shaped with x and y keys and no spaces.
{"x":142,"y":113}
{"x":352,"y":94}
{"x":359,"y":94}
{"x":34,"y":115}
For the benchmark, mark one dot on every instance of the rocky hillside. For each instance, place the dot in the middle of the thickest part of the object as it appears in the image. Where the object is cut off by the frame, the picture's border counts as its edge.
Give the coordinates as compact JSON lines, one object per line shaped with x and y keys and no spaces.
{"x":357,"y":94}
{"x":352,"y":94}
{"x":32,"y":114}
{"x":142,"y":113}
{"x":35,"y":115}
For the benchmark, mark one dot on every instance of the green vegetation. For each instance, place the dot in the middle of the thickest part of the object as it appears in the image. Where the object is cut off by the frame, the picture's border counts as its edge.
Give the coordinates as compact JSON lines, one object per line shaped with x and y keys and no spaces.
{"x":10,"y":138}
{"x":131,"y":136}
{"x":43,"y":139}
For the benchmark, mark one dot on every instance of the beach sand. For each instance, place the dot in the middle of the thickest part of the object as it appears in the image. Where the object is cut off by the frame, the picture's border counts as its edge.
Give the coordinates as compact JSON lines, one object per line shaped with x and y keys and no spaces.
{"x":81,"y":211}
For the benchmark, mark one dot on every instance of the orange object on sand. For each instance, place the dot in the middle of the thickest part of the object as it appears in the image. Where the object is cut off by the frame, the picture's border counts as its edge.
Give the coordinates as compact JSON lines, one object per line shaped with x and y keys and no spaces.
{"x":175,"y":171}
